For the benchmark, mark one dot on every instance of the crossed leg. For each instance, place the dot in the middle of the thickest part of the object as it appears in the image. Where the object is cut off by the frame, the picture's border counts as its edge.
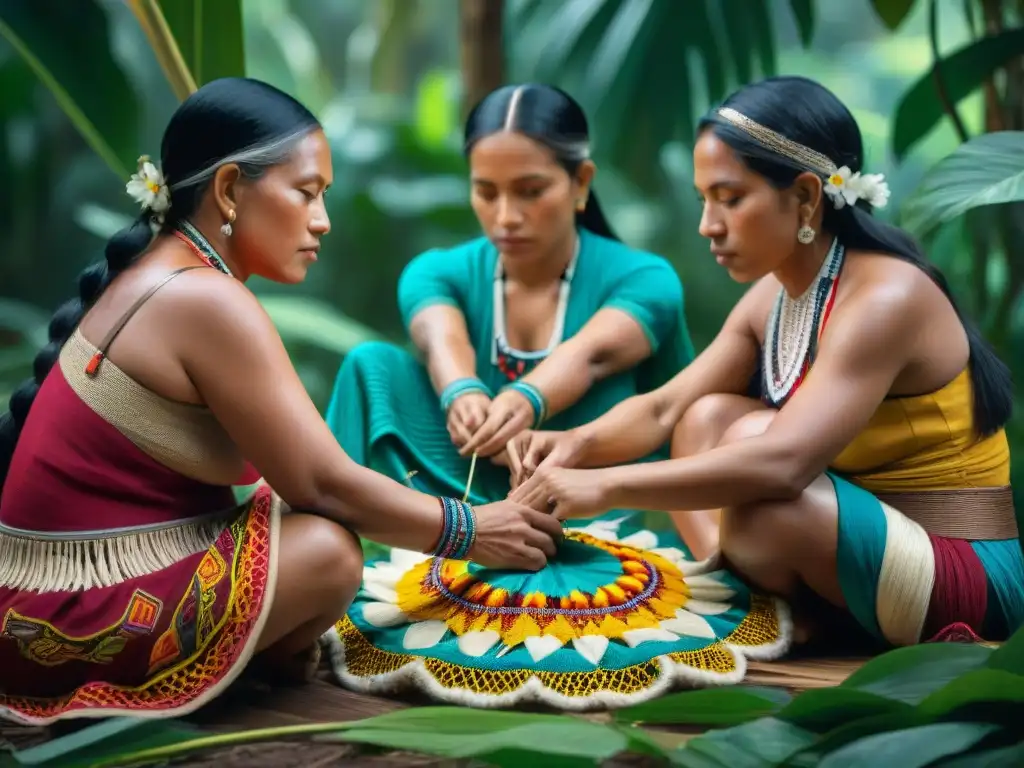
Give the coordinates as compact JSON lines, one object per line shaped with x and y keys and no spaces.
{"x":787,"y":547}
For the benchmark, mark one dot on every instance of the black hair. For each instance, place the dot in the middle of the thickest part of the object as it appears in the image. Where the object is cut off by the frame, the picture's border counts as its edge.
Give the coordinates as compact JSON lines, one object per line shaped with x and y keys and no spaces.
{"x":806,"y":112}
{"x":549,"y":116}
{"x":238,"y":120}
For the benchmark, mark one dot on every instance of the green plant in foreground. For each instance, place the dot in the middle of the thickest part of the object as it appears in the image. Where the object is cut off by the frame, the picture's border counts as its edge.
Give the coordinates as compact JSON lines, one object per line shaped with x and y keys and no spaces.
{"x":947,"y":704}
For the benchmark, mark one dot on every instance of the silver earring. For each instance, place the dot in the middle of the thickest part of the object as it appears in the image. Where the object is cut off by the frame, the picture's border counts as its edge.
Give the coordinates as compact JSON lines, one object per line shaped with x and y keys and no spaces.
{"x":226,"y":228}
{"x":806,"y":234}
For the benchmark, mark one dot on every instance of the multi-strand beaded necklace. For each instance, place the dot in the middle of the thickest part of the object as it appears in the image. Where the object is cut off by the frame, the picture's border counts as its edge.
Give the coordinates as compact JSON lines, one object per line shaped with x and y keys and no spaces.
{"x":793,"y":329}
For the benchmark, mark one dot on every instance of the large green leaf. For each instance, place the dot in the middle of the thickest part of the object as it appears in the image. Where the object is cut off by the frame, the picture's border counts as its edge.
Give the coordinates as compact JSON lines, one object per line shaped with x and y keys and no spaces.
{"x":305,"y":320}
{"x":68,"y":47}
{"x":826,"y":708}
{"x":892,"y":12}
{"x":962,"y":72}
{"x":929,"y":660}
{"x":909,"y":748}
{"x":1010,"y":655}
{"x":803,"y":12}
{"x":105,"y":741}
{"x":498,"y":738}
{"x":209,"y":35}
{"x":995,"y":690}
{"x":987,"y":170}
{"x":709,"y":706}
{"x":762,"y":743}
{"x":1002,"y":757}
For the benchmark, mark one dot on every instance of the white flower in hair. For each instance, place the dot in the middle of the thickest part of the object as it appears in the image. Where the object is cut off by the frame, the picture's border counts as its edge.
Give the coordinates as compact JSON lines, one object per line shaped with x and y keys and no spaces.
{"x":839,"y":187}
{"x":846,"y":187}
{"x":874,"y":189}
{"x":148,"y":188}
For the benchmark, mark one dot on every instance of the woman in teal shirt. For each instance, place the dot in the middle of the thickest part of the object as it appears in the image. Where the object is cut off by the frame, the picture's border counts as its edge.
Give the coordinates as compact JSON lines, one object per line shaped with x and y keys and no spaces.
{"x":547,"y":318}
{"x":547,"y":315}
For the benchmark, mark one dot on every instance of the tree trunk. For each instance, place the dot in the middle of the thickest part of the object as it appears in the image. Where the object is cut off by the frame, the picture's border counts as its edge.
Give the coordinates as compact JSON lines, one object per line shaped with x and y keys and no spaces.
{"x":481,"y":51}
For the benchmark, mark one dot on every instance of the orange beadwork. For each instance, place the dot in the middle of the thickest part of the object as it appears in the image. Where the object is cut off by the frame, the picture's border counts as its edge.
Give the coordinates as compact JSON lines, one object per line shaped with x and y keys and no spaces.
{"x":206,"y":668}
{"x":467,"y":603}
{"x":93,"y":366}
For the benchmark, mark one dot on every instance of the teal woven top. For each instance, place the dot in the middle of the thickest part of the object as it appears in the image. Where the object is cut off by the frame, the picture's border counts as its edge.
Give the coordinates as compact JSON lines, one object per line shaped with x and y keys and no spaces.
{"x":607,"y":274}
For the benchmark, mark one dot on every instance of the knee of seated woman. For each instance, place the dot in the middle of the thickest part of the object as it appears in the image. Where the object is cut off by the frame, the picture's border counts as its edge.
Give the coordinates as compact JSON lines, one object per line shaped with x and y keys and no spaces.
{"x":331,"y":554}
{"x":749,"y":425}
{"x":805,"y":526}
{"x":708,"y":417}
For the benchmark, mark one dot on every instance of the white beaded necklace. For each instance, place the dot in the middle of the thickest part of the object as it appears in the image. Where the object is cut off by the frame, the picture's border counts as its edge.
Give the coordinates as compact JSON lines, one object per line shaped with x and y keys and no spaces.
{"x":791,"y":333}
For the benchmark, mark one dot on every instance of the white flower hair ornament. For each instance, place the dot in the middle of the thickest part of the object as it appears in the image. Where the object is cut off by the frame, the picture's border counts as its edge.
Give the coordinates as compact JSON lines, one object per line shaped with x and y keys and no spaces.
{"x":846,"y":187}
{"x":148,"y":188}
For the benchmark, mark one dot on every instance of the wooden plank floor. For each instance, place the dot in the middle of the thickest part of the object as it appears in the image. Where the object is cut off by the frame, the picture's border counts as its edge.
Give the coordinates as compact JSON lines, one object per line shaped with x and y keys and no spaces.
{"x":250,"y":704}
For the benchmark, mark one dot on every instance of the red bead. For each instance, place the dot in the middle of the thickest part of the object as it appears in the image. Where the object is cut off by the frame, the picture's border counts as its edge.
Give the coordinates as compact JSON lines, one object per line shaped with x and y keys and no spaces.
{"x":94,"y":364}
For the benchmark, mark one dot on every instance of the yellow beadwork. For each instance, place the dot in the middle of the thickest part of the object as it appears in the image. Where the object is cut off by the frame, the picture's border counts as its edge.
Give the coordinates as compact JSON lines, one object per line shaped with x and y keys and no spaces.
{"x":759,"y":628}
{"x":420,"y":600}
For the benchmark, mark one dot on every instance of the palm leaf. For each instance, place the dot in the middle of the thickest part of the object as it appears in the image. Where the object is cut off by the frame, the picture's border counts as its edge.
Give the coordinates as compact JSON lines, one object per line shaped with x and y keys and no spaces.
{"x":68,"y":48}
{"x":614,"y":57}
{"x":963,"y":72}
{"x":987,"y":170}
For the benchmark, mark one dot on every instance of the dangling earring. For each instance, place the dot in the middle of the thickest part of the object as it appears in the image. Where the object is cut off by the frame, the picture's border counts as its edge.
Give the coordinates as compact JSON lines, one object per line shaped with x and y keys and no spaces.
{"x":806,"y":234}
{"x":581,"y":205}
{"x":225,"y":228}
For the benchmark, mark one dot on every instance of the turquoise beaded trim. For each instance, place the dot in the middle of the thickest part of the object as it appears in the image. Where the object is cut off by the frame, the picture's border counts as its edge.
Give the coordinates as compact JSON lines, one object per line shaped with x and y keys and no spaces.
{"x":535,"y":397}
{"x":461,"y":387}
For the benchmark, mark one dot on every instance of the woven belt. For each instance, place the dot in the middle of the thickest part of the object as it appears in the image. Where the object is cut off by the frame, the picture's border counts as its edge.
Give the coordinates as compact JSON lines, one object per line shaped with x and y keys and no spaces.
{"x":975,"y":514}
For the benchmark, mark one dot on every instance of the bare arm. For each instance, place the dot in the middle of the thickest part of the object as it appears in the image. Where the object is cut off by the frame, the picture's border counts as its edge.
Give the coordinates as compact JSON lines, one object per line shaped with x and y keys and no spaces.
{"x":440,"y":334}
{"x":234,"y":356}
{"x":863,"y":352}
{"x":236,"y":360}
{"x":640,"y":425}
{"x":610,"y":342}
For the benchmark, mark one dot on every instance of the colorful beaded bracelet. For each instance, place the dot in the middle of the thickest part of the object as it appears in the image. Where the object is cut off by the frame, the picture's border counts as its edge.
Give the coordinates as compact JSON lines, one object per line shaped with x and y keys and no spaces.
{"x":458,"y":534}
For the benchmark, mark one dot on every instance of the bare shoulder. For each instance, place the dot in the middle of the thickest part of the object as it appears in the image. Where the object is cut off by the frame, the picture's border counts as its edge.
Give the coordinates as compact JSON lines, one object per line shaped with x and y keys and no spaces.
{"x":885,"y":306}
{"x":885,"y":283}
{"x":209,"y":303}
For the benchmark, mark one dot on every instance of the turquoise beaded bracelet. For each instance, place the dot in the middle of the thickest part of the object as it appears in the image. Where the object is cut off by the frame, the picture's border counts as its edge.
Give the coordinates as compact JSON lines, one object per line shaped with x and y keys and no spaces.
{"x":461,"y":387}
{"x":535,"y":397}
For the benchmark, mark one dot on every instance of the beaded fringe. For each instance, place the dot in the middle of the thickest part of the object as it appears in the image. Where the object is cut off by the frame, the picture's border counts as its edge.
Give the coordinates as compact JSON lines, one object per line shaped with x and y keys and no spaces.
{"x":49,"y":565}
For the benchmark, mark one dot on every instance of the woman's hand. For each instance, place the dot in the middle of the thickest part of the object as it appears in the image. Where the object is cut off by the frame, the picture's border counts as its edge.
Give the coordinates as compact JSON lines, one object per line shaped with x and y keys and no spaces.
{"x":466,"y":415}
{"x":566,"y":493}
{"x":530,"y":450}
{"x":511,"y":535}
{"x":510,"y":413}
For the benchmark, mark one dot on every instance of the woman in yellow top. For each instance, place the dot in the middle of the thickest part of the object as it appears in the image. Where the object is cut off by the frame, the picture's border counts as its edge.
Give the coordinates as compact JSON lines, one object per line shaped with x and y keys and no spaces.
{"x":874,"y":469}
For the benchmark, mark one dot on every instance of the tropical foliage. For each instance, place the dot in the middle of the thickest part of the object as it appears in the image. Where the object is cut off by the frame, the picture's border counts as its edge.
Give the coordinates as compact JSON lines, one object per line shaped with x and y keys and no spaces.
{"x":644,"y":70}
{"x":947,"y":705}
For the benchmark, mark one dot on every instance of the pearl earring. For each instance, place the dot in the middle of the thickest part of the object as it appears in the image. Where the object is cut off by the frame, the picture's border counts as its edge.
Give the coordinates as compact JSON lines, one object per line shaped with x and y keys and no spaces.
{"x":226,"y":228}
{"x":806,"y":234}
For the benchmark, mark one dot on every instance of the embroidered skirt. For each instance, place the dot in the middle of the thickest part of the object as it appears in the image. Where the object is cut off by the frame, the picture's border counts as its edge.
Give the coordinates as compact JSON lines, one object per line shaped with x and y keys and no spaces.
{"x":620,"y":616}
{"x":82,"y":637}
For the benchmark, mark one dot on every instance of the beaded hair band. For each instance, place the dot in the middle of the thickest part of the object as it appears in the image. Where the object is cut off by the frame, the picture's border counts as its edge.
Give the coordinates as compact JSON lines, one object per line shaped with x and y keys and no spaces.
{"x":843,"y":185}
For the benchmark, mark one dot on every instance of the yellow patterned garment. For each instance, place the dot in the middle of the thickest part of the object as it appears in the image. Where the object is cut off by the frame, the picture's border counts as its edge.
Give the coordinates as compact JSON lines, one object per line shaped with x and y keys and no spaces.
{"x":926,"y":442}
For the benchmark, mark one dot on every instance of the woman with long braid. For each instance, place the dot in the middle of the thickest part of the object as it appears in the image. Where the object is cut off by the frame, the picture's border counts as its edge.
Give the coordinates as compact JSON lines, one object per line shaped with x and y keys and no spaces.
{"x":144,"y":558}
